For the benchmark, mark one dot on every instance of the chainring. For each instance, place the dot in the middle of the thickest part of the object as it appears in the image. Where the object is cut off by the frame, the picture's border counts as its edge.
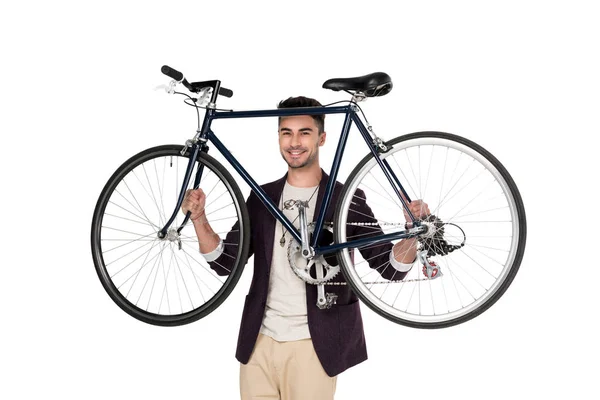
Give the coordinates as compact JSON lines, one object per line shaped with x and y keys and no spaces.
{"x":303,"y":272}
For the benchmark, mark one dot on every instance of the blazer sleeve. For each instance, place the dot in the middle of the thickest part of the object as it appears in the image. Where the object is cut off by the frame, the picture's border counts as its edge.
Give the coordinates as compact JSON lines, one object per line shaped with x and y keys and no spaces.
{"x":223,"y":264}
{"x":378,"y":255}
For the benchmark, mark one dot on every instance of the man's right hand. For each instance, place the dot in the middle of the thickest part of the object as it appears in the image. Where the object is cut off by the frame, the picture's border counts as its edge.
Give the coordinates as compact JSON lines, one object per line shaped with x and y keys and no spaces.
{"x":194,"y":201}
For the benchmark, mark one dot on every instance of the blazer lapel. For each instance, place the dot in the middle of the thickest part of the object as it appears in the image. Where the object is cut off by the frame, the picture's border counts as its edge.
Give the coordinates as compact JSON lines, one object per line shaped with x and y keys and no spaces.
{"x":274,"y":193}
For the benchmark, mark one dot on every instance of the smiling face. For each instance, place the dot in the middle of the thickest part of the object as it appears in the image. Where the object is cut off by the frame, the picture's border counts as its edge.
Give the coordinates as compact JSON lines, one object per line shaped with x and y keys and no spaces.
{"x":299,"y":141}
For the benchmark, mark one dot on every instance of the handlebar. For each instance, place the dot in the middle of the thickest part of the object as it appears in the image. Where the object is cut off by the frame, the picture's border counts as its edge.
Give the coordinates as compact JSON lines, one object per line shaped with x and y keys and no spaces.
{"x":225,"y":92}
{"x":172,"y":73}
{"x":195,"y":86}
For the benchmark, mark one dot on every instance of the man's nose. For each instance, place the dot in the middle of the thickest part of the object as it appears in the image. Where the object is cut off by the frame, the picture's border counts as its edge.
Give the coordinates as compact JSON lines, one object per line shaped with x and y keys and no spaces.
{"x":295,"y":140}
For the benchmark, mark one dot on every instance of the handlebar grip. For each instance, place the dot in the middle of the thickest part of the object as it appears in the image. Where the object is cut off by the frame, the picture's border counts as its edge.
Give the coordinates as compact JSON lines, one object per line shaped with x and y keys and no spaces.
{"x":225,"y":92}
{"x":171,"y":73}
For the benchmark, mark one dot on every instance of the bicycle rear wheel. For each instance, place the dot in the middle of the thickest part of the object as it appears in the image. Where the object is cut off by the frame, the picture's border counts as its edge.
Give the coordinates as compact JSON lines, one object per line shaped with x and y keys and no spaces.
{"x":165,"y":281}
{"x":476,"y":202}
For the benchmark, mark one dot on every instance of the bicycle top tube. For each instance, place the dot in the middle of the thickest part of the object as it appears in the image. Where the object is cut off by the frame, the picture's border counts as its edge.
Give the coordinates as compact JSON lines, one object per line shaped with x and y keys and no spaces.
{"x":284,"y":112}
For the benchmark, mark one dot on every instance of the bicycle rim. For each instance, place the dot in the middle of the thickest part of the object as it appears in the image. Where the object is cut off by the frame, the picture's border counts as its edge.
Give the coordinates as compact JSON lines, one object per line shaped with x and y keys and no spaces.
{"x":470,"y":192}
{"x":164,"y":281}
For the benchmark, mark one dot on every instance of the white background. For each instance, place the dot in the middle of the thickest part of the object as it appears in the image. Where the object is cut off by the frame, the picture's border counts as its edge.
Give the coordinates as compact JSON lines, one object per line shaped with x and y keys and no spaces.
{"x":519,"y":78}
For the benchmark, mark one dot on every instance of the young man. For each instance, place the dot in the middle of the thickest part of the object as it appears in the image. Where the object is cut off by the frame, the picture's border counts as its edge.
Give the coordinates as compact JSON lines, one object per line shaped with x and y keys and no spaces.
{"x":288,"y":347}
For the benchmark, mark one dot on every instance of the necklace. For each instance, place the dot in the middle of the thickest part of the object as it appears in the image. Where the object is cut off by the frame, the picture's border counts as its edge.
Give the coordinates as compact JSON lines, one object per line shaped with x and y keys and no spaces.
{"x":282,"y":240}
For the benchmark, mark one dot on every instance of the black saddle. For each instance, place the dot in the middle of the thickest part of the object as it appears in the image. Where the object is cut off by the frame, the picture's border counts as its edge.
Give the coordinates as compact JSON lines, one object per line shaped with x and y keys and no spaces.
{"x":372,"y":85}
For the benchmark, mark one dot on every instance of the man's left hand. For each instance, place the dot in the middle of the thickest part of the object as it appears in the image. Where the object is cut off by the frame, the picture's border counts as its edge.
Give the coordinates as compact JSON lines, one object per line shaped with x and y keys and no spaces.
{"x":418,"y":208}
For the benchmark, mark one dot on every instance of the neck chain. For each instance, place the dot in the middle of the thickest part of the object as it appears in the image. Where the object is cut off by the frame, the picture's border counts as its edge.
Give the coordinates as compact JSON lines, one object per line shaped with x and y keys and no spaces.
{"x":282,"y":240}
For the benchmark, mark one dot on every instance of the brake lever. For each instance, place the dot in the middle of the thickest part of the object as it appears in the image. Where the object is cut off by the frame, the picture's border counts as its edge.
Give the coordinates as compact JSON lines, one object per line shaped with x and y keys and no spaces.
{"x":170,"y":88}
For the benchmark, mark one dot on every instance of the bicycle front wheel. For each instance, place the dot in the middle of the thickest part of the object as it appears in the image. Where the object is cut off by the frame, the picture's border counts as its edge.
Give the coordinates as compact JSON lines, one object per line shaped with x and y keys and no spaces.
{"x":165,"y":281}
{"x":476,"y":204}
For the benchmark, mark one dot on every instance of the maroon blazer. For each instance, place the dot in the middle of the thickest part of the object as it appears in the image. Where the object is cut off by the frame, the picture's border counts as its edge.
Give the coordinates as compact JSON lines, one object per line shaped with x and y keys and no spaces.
{"x":337,"y":333}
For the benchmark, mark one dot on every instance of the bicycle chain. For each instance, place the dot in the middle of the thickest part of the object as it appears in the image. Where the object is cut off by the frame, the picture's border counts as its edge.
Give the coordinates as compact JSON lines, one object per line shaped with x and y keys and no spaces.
{"x":375,"y":282}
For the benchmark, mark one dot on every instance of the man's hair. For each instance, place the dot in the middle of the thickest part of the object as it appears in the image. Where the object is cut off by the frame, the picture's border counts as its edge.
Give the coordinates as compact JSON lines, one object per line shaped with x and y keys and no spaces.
{"x":301,"y":101}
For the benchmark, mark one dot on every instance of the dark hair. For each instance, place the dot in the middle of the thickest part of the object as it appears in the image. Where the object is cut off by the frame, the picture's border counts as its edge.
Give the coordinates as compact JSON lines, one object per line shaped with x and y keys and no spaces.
{"x":301,"y":101}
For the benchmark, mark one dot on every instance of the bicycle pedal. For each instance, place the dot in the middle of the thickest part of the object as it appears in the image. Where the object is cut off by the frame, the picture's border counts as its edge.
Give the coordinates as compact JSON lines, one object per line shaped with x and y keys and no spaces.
{"x":431,"y":270}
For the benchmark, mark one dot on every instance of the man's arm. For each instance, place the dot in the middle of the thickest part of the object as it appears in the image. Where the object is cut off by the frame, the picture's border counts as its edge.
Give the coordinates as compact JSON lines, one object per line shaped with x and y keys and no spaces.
{"x":194,"y":202}
{"x":391,"y":262}
{"x":220,"y":254}
{"x":405,"y":251}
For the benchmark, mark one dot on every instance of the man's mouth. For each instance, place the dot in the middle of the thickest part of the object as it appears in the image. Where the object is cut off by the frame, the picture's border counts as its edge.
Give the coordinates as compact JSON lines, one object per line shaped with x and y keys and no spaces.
{"x":296,"y":153}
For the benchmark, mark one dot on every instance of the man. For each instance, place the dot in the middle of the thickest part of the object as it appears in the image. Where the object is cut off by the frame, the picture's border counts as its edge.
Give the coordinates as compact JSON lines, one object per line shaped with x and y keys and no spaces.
{"x":287,"y":346}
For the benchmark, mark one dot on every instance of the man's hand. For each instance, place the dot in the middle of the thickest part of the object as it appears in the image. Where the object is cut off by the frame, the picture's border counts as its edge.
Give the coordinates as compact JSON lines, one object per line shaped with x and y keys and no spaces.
{"x":418,"y":208}
{"x":405,"y":251}
{"x":194,"y":202}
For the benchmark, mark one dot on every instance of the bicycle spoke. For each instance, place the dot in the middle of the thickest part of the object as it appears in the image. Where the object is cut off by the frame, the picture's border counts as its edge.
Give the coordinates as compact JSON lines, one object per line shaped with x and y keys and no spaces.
{"x":443,"y":183}
{"x":445,"y":199}
{"x":215,"y":199}
{"x":129,"y":242}
{"x":479,"y":212}
{"x":412,"y":170}
{"x":177,"y":189}
{"x":385,"y":191}
{"x":387,"y":198}
{"x":124,"y":209}
{"x":211,"y":190}
{"x":428,"y":170}
{"x":132,"y":233}
{"x":166,"y":278}
{"x":472,"y":199}
{"x":218,"y":209}
{"x":196,"y":277}
{"x":128,"y":219}
{"x":177,"y":283}
{"x":144,"y":263}
{"x":123,"y":256}
{"x":485,"y":255}
{"x":158,"y":258}
{"x":209,"y":270}
{"x":406,"y":181}
{"x":160,"y":192}
{"x":140,"y":209}
{"x":161,"y":217}
{"x":135,"y":273}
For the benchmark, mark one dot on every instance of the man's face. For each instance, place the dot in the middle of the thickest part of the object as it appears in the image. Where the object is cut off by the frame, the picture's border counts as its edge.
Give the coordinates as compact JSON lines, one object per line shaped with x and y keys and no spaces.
{"x":299,"y":141}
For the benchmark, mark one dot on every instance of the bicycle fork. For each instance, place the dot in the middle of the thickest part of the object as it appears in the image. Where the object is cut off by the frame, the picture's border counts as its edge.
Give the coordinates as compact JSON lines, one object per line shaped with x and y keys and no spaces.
{"x":173,"y":234}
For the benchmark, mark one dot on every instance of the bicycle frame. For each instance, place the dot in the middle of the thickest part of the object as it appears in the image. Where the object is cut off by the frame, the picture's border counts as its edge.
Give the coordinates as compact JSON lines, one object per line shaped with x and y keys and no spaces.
{"x":351,"y":116}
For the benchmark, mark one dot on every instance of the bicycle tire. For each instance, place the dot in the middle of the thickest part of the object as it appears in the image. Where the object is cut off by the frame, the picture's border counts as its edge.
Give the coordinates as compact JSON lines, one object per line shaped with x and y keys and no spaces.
{"x":196,"y":278}
{"x":419,"y":143}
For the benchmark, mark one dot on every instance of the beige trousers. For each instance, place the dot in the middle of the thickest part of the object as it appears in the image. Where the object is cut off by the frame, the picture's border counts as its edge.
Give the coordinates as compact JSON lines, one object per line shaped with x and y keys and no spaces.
{"x":285,"y":371}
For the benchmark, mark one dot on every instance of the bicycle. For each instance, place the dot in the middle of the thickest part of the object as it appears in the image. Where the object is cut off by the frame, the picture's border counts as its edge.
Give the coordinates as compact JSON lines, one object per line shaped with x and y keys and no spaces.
{"x":470,"y":246}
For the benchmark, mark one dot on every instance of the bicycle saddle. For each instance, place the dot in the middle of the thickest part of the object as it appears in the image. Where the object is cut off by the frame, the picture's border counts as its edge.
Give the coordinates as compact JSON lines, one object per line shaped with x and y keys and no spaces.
{"x":372,"y":85}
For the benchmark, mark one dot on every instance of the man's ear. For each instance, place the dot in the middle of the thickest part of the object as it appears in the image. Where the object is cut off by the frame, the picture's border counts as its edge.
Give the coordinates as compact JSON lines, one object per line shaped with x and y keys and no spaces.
{"x":322,"y":138}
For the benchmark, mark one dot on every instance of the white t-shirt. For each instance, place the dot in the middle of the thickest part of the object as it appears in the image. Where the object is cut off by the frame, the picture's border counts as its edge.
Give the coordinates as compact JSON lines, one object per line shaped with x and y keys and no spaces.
{"x":285,"y":316}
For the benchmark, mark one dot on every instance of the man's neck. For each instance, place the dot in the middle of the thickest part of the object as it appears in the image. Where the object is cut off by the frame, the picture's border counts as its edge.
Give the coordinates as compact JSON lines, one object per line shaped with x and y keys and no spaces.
{"x":302,"y":177}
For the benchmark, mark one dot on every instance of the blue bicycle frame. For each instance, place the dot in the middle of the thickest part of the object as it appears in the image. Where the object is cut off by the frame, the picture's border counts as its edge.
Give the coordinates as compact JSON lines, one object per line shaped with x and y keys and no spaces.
{"x":350,"y":111}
